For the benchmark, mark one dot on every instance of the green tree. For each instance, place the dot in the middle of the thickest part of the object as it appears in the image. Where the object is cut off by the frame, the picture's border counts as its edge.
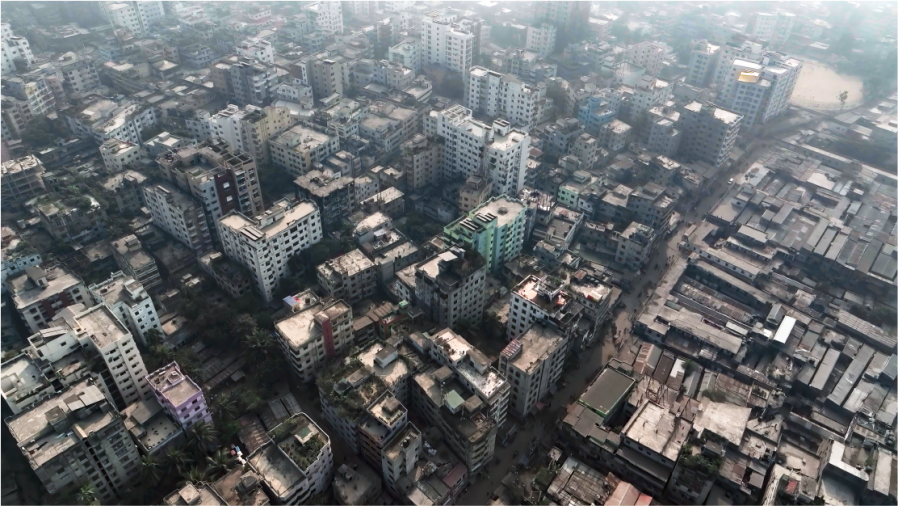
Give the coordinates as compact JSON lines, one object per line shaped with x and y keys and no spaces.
{"x":204,"y":433}
{"x":150,"y":468}
{"x":224,"y":407}
{"x":87,"y":494}
{"x":177,"y":457}
{"x":153,"y":337}
{"x":259,"y":345}
{"x":242,"y":325}
{"x":843,"y":97}
{"x":192,"y":475}
{"x":38,"y":134}
{"x":218,"y":462}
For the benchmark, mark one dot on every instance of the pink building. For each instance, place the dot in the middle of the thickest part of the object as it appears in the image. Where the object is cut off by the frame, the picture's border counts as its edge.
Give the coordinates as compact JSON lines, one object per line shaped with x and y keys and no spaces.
{"x":179,"y":396}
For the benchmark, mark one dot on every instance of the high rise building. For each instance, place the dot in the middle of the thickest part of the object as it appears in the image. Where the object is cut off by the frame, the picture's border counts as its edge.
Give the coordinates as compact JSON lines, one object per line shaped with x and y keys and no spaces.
{"x":129,"y":301}
{"x":541,"y":39}
{"x":703,"y":62}
{"x":350,"y":277}
{"x":709,"y":132}
{"x":135,"y":262}
{"x":743,"y":50}
{"x":533,"y":363}
{"x":179,"y":215}
{"x":75,"y":437}
{"x":14,"y":48}
{"x":265,"y":244}
{"x":446,"y":43}
{"x":22,"y":179}
{"x":136,"y":16}
{"x":570,"y":17}
{"x":314,"y":332}
{"x":38,"y":294}
{"x":334,"y":194}
{"x":300,"y":148}
{"x":221,"y":178}
{"x":472,"y":148}
{"x":450,"y":285}
{"x":98,"y":329}
{"x":503,"y":96}
{"x":421,"y":160}
{"x":760,"y":91}
{"x":494,"y":229}
{"x":249,"y":129}
{"x":79,"y":72}
{"x":646,"y":54}
{"x":328,"y":16}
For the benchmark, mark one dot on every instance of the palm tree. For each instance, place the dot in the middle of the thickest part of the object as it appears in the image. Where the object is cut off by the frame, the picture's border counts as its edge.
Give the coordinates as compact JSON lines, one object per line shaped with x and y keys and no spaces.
{"x":203,"y":434}
{"x":177,"y":457}
{"x":224,"y":405}
{"x":259,"y":344}
{"x":87,"y":494}
{"x":218,"y":461}
{"x":150,"y":468}
{"x":193,"y":475}
{"x":843,"y":97}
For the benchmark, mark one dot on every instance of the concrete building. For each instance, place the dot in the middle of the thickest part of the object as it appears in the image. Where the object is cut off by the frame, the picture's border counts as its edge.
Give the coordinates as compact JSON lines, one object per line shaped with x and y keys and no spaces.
{"x":350,"y":277}
{"x":541,"y":39}
{"x":79,"y":71}
{"x":97,"y":328}
{"x":504,"y":97}
{"x":314,"y":333}
{"x":390,"y":202}
{"x":634,"y":245}
{"x":250,"y":82}
{"x":421,"y":160}
{"x":14,"y":48}
{"x":709,"y":133}
{"x":233,"y":278}
{"x":135,"y":262}
{"x":407,"y":53}
{"x":265,"y":244}
{"x":534,"y":299}
{"x":398,"y":459}
{"x":136,"y":16}
{"x":449,"y":287}
{"x":257,"y":49}
{"x":129,"y":301}
{"x":649,"y":55}
{"x":328,"y":16}
{"x":470,"y":417}
{"x":743,"y":50}
{"x":39,"y":294}
{"x":474,"y":193}
{"x":473,"y":148}
{"x":17,"y":255}
{"x":296,"y":462}
{"x":349,"y":393}
{"x":333,"y":193}
{"x":72,"y":220}
{"x":179,"y":396}
{"x":663,"y":134}
{"x":773,"y":27}
{"x":532,"y":363}
{"x":179,"y":215}
{"x":356,"y":484}
{"x":222,"y":179}
{"x":494,"y":229}
{"x":703,"y":61}
{"x":22,"y":179}
{"x":119,"y":155}
{"x":446,"y":43}
{"x":77,"y":437}
{"x":124,"y":191}
{"x":387,"y":126}
{"x":570,"y":17}
{"x":615,"y":135}
{"x":299,"y":148}
{"x":760,"y":91}
{"x":250,"y":128}
{"x":102,"y":119}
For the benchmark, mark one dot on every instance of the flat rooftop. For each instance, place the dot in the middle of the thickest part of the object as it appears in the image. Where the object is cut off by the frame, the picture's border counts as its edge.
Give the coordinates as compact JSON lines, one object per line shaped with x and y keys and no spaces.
{"x":724,"y":419}
{"x":282,"y":216}
{"x":658,"y":429}
{"x":536,"y":346}
{"x":102,"y":325}
{"x":300,"y":328}
{"x":25,"y":293}
{"x":349,"y":264}
{"x":607,"y":391}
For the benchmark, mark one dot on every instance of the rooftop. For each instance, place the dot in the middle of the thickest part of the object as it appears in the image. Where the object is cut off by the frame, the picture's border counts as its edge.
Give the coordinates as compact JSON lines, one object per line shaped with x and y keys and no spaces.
{"x":149,"y":424}
{"x":278,"y":218}
{"x":607,"y":391}
{"x":296,"y":444}
{"x":302,"y":326}
{"x":172,"y":384}
{"x":536,"y":345}
{"x":26,"y":291}
{"x":724,"y":419}
{"x":658,"y":429}
{"x":349,"y":264}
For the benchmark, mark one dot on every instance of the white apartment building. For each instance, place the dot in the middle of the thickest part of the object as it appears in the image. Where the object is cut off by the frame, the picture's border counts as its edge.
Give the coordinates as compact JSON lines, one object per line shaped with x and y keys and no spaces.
{"x":746,"y":50}
{"x":702,"y":63}
{"x":105,"y":119}
{"x":709,"y":133}
{"x":129,"y":301}
{"x":249,"y":129}
{"x":446,"y":43}
{"x":299,"y":148}
{"x":119,"y":155}
{"x":407,"y":53}
{"x":97,"y":328}
{"x":328,"y":16}
{"x":179,"y":215}
{"x":774,"y":27}
{"x":421,"y":161}
{"x":350,"y":277}
{"x":541,"y":39}
{"x":532,"y":363}
{"x":314,"y":333}
{"x":265,"y":244}
{"x":503,"y":96}
{"x":663,"y":135}
{"x":761,"y":91}
{"x":257,"y":49}
{"x":615,"y":135}
{"x":472,"y":148}
{"x":634,"y":245}
{"x":79,"y":72}
{"x":648,"y":92}
{"x":646,"y":54}
{"x":12,"y":48}
{"x":532,"y":300}
{"x":136,"y":16}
